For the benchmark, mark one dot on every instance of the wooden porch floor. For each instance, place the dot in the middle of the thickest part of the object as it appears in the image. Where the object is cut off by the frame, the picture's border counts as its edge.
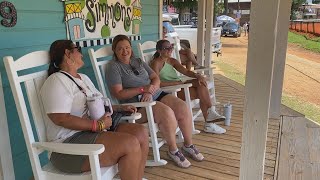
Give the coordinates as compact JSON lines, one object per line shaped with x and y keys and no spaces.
{"x":222,"y":152}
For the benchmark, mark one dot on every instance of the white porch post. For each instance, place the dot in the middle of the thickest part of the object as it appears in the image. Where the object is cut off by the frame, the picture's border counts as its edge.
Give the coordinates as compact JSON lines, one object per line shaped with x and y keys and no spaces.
{"x":261,"y":55}
{"x":6,"y":167}
{"x":200,"y":31}
{"x":280,"y":58}
{"x":160,"y":19}
{"x":208,"y":33}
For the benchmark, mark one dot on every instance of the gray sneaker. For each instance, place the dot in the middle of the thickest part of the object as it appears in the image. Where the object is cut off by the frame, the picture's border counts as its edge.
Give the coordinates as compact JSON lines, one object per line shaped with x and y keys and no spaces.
{"x":193,"y":152}
{"x":179,"y":159}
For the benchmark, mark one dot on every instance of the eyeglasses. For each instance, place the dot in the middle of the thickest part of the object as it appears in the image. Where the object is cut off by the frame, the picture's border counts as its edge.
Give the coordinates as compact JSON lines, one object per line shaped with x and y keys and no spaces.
{"x":78,"y":48}
{"x":169,"y":48}
{"x":134,"y":70}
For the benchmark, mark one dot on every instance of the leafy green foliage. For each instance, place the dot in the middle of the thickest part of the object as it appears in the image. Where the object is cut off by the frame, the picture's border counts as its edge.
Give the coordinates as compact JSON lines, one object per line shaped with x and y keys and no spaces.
{"x":294,"y":7}
{"x":181,"y":4}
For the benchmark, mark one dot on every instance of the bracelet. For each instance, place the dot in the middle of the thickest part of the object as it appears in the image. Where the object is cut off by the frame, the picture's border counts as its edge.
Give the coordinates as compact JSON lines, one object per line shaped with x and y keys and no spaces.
{"x":94,"y":126}
{"x":141,"y":89}
{"x":101,"y":125}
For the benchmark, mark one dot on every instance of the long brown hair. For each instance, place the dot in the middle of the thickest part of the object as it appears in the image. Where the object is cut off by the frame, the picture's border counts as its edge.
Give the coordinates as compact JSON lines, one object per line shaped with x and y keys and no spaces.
{"x":56,"y":52}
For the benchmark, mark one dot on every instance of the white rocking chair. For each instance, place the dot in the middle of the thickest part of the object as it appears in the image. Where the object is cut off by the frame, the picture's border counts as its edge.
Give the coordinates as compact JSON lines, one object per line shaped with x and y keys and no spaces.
{"x":100,"y":59}
{"x":30,"y":83}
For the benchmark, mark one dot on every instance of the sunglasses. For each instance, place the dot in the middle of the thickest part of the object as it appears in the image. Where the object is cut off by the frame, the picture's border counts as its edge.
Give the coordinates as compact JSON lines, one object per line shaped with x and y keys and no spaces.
{"x":134,"y":70}
{"x":78,"y":49}
{"x":169,"y":48}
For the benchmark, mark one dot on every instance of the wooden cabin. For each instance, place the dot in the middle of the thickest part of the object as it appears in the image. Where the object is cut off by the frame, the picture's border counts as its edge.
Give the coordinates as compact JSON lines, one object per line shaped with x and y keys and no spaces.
{"x":265,"y":140}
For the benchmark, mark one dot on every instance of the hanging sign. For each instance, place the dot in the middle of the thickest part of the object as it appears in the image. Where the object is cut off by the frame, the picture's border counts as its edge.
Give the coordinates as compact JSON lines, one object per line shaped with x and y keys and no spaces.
{"x":95,"y":22}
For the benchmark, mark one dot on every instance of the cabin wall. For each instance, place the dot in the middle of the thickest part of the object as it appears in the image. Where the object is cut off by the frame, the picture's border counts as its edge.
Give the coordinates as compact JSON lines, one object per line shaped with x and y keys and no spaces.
{"x":39,"y":23}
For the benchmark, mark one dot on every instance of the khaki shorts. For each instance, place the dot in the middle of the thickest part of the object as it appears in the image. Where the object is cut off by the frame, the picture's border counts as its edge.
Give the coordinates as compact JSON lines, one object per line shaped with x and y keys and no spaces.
{"x":73,"y":163}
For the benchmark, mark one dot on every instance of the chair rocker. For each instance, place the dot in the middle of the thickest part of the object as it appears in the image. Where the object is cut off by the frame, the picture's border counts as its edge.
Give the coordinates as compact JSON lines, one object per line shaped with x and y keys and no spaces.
{"x":25,"y":87}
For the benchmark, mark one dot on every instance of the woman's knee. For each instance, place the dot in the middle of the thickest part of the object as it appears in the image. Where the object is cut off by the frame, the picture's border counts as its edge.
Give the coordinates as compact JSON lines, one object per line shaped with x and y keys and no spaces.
{"x":165,"y":115}
{"x":141,"y":133}
{"x":181,"y":110}
{"x":131,"y":144}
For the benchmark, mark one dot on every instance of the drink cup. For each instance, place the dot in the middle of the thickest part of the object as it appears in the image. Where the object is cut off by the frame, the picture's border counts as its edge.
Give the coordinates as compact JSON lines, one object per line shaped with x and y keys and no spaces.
{"x":227,"y":109}
{"x":107,"y":106}
{"x":96,"y":107}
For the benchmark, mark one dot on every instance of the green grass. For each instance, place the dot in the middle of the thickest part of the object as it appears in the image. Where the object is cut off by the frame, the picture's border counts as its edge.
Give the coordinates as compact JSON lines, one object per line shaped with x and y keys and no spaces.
{"x":309,"y":44}
{"x":231,"y":72}
{"x":310,"y":110}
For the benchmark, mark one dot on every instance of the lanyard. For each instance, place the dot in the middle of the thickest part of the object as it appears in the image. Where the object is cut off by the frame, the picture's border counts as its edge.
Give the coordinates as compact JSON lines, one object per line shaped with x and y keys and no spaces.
{"x":80,"y":88}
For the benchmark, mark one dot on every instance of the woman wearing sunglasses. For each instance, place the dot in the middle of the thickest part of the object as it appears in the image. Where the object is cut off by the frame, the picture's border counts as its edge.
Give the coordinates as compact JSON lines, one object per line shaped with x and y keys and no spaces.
{"x":64,"y":96}
{"x":131,"y":80}
{"x":166,"y":68}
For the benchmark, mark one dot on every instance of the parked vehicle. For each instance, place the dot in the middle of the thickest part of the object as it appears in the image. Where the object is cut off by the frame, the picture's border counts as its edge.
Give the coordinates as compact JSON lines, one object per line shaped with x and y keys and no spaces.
{"x":231,"y":29}
{"x":190,"y":34}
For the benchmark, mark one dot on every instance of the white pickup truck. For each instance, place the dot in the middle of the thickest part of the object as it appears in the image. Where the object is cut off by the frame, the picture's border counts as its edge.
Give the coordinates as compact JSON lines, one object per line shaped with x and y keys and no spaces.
{"x":190,"y":34}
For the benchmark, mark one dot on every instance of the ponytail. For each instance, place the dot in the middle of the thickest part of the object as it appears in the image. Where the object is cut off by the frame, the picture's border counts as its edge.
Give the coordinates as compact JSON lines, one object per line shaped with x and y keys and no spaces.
{"x":156,"y":55}
{"x":53,"y":68}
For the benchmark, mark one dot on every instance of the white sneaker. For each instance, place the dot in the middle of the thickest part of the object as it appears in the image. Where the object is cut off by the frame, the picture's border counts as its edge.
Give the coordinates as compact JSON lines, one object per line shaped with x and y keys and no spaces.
{"x":213,"y":116}
{"x":213,"y":128}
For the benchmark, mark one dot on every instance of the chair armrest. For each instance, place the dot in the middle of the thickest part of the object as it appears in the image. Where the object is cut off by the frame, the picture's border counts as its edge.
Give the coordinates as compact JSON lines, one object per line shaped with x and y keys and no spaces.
{"x":203,"y":69}
{"x":76,"y":149}
{"x":141,"y":104}
{"x":132,"y":118}
{"x":170,"y":89}
{"x":179,"y":86}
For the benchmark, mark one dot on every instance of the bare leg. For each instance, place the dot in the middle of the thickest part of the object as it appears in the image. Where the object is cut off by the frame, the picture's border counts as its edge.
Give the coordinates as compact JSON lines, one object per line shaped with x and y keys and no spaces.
{"x":199,"y":92}
{"x":204,"y":96}
{"x":166,"y":120}
{"x":121,"y":148}
{"x":185,"y":61}
{"x":182,"y":115}
{"x":141,"y":133}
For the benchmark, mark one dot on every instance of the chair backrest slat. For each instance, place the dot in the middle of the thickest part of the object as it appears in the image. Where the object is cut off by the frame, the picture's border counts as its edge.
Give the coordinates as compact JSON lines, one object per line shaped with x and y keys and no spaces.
{"x":150,"y":48}
{"x":33,"y":92}
{"x":100,"y":67}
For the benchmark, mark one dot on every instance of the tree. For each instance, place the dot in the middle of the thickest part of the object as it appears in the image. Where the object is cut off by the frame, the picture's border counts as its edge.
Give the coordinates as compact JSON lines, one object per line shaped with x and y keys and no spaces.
{"x":225,"y":7}
{"x":183,"y":4}
{"x":295,"y":7}
{"x":316,"y":1}
{"x":218,"y":9}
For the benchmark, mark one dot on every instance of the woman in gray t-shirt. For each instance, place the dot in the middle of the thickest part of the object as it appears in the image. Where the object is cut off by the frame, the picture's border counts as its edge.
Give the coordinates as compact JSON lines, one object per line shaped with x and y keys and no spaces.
{"x":131,"y":80}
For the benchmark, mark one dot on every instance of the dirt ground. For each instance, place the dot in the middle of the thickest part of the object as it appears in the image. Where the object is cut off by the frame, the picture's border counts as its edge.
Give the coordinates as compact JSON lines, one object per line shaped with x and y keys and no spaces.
{"x":302,"y":71}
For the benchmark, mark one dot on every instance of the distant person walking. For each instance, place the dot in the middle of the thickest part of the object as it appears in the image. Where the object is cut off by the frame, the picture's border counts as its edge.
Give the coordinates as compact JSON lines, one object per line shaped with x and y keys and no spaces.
{"x":245,"y":28}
